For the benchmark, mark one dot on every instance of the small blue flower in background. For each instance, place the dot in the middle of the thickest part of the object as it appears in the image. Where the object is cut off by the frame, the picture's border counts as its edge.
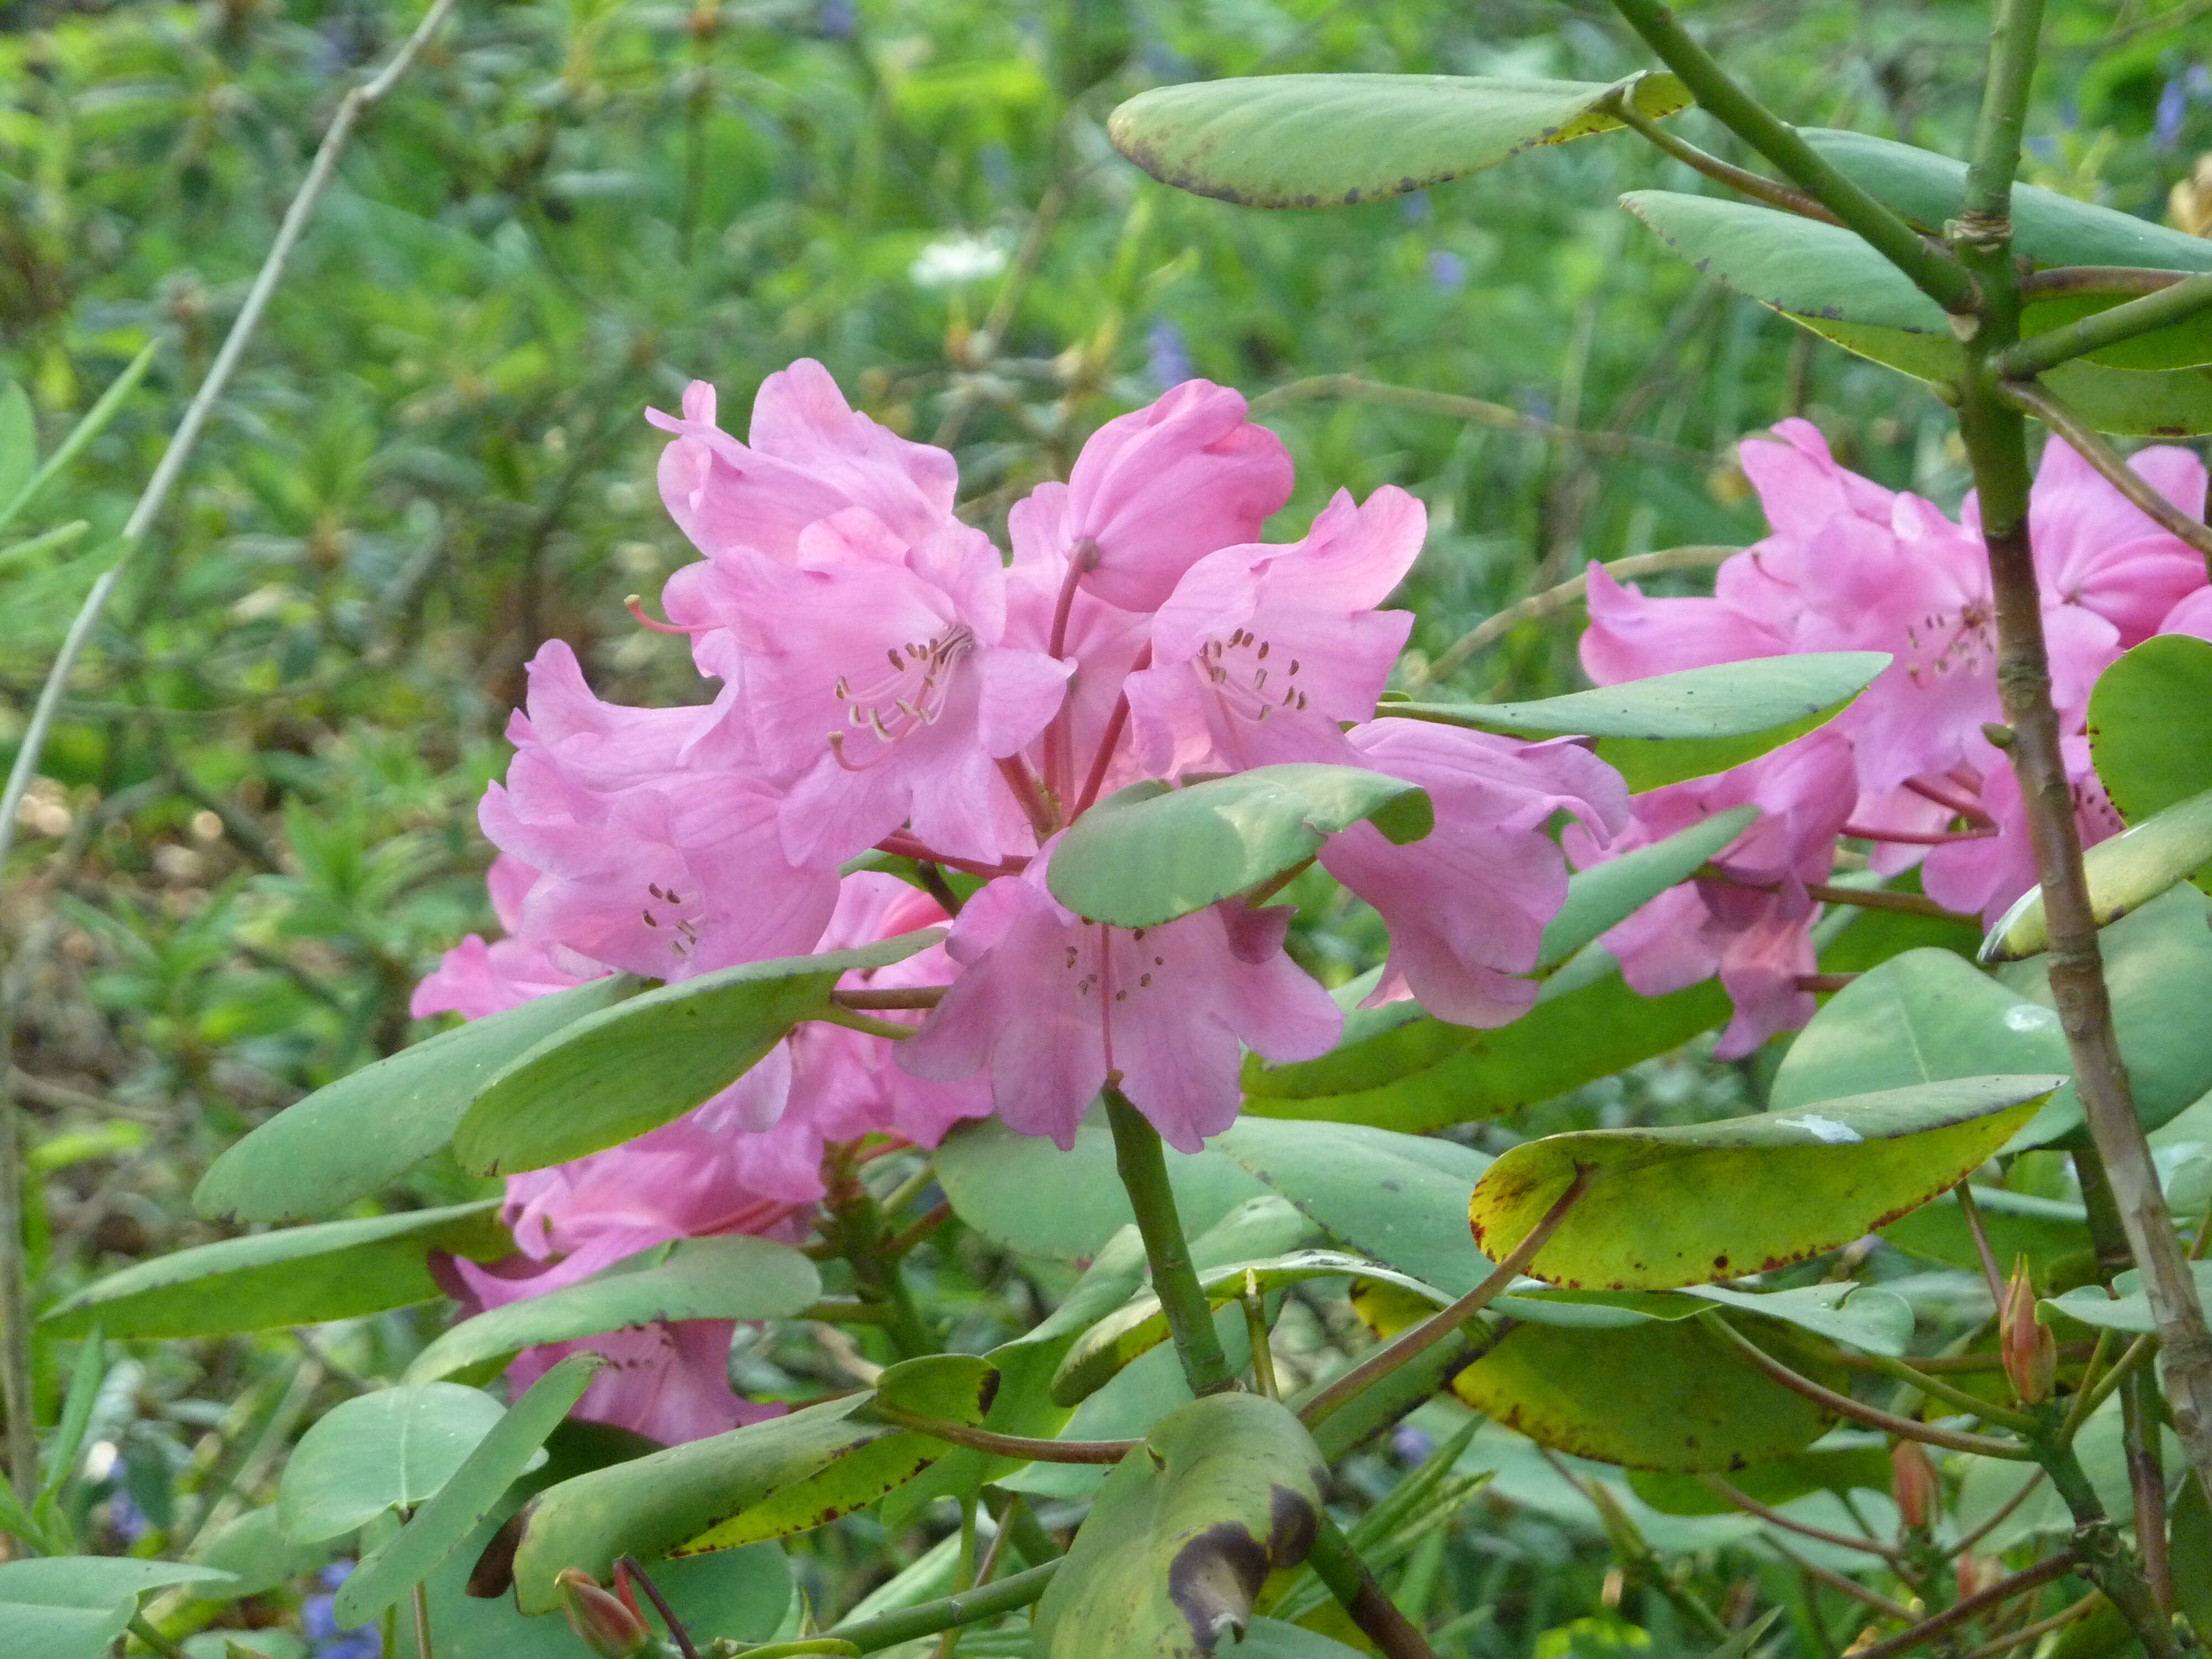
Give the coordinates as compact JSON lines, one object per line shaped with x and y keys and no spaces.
{"x":320,"y":1622}
{"x":835,"y":20}
{"x":1417,"y":207}
{"x":1170,"y":362}
{"x":2172,"y":111}
{"x":1447,"y":271}
{"x":126,"y":1519}
{"x":1411,"y":1444}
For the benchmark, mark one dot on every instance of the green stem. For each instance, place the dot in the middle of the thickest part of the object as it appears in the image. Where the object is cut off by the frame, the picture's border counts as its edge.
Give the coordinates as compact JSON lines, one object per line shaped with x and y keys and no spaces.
{"x":2014,"y":33}
{"x":2055,"y":1566}
{"x":14,"y":1285}
{"x":863,"y":1240}
{"x":962,"y":1607}
{"x":2031,"y":357}
{"x":1622,"y":106}
{"x":1338,"y":1565}
{"x":1935,"y":274}
{"x":2105,"y":1558}
{"x":1142,"y":1163}
{"x":144,"y":1630}
{"x":1936,"y":1388}
{"x":1007,"y":1445}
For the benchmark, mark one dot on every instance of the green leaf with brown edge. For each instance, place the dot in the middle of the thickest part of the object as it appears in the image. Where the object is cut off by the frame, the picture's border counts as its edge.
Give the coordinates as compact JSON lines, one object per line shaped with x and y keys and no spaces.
{"x":291,"y":1276}
{"x":1668,"y":1395}
{"x":1303,"y":141}
{"x":767,"y":1480}
{"x":1222,"y":1492}
{"x":351,"y":1138}
{"x":723,"y":1277}
{"x":618,"y":1073}
{"x":461,"y":1504}
{"x":1423,"y":1073}
{"x":1149,"y":853}
{"x":2147,"y":715}
{"x":1861,"y":1465}
{"x":1696,"y":1203}
{"x":1669,"y":727}
{"x":1922,"y":1017}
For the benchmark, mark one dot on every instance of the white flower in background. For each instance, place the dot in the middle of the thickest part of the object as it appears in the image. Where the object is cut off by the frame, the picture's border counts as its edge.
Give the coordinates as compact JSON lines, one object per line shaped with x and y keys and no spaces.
{"x":957,"y":259}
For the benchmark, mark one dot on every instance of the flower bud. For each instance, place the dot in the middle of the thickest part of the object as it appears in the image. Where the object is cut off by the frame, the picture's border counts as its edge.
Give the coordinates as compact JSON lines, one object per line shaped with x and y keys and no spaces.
{"x":601,"y":1622}
{"x":2030,"y":1354}
{"x":1913,"y":1484}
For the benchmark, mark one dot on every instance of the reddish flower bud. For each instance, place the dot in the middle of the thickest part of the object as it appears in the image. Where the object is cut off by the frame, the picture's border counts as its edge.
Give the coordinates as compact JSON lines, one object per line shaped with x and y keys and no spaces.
{"x":2030,"y":1354}
{"x":601,"y":1622}
{"x":1913,"y":1484}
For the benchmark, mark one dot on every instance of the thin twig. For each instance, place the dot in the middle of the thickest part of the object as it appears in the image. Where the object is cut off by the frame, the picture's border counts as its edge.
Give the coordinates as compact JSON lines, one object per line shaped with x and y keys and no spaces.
{"x":2129,"y":320}
{"x":1836,"y":1581}
{"x":1553,"y":599}
{"x":1845,"y":1406}
{"x":2090,"y":445}
{"x":1772,"y":191}
{"x":910,"y":996}
{"x":1441,"y":1324}
{"x":2041,"y":1627}
{"x":1477,"y":410}
{"x":1774,"y":1517}
{"x":1973,"y":1607}
{"x":1005,"y":1445}
{"x":2003,"y":1510}
{"x":1973,"y":1211}
{"x":628,"y":1565}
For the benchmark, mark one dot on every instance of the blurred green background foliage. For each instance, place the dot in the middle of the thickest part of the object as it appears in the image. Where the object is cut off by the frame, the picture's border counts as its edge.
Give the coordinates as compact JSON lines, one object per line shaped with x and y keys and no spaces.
{"x":255,"y":828}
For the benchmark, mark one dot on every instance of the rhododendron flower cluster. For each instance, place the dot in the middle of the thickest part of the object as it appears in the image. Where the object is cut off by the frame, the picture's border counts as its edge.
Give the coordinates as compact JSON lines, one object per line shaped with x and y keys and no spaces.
{"x":887,"y":685}
{"x":1911,"y":767}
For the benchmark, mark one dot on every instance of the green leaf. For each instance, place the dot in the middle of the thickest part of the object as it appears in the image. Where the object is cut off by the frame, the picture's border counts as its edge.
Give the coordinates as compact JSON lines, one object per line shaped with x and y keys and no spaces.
{"x":1606,"y":895}
{"x":1142,"y":1324}
{"x":389,"y":1449}
{"x":1171,"y":1556}
{"x":1024,"y":1194}
{"x":1802,"y":266}
{"x":19,"y":441}
{"x":1925,"y":1017}
{"x":1861,"y":1465}
{"x":1421,"y":1073}
{"x":1148,"y":854}
{"x":768,"y":1478}
{"x":615,"y":1074}
{"x":2173,"y":403}
{"x":347,"y":1139}
{"x":74,"y":1607}
{"x":2124,"y":873}
{"x":2146,"y":716}
{"x":461,"y":1504}
{"x":1284,"y":141}
{"x":2048,"y":228}
{"x":1667,"y":1395}
{"x":2043,"y":1229}
{"x":731,"y":1278}
{"x":1398,"y":1198}
{"x":1694,"y":1204}
{"x":1271,"y":1638}
{"x":254,"y":1550}
{"x":2157,"y":966}
{"x":84,"y":1394}
{"x":2129,"y":1308}
{"x":1671,"y":726}
{"x":94,"y":424}
{"x":2189,"y":1551}
{"x":293,"y":1276}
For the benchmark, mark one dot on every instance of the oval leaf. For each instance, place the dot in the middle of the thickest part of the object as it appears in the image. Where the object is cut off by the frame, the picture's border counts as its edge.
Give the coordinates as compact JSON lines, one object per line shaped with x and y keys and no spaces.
{"x":1671,"y":726}
{"x":615,"y":1074}
{"x":391,"y":1449}
{"x":74,"y":1607}
{"x":1668,"y":1395}
{"x":2127,"y":1307}
{"x":2124,"y":874}
{"x":1694,"y":1204}
{"x":347,"y":1139}
{"x":1284,"y":141}
{"x":1150,"y":853}
{"x":733,"y":1277}
{"x":1171,"y":1556}
{"x":295,"y":1276}
{"x":2145,"y":714}
{"x":461,"y":1505}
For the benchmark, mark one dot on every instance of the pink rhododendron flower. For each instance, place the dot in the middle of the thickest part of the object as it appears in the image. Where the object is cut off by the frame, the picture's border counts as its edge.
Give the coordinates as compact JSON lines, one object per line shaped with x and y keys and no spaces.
{"x":1053,"y":1006}
{"x":657,"y":841}
{"x":880,"y":690}
{"x":1262,"y":652}
{"x":1467,"y":904}
{"x":811,"y":457}
{"x":2096,"y":550}
{"x":667,"y":1381}
{"x":1755,"y":931}
{"x":1155,"y":491}
{"x":475,"y":979}
{"x":1984,"y":876}
{"x":2192,"y":615}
